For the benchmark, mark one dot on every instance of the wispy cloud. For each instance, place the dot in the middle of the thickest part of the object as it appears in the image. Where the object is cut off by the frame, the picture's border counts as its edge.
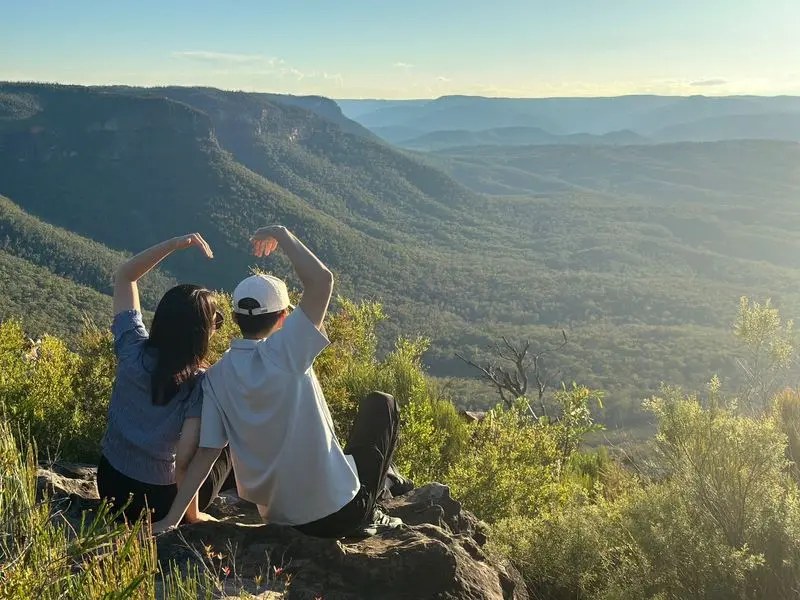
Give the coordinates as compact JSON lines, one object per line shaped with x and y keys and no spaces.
{"x":403,"y":65}
{"x":708,"y":82}
{"x":337,"y":77}
{"x":443,"y":79}
{"x":227,"y":58}
{"x":296,"y":73}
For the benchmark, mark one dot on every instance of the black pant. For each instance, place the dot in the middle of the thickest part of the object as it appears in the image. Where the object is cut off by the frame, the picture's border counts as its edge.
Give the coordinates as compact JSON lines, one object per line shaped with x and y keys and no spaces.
{"x":117,"y":488}
{"x":371,"y":444}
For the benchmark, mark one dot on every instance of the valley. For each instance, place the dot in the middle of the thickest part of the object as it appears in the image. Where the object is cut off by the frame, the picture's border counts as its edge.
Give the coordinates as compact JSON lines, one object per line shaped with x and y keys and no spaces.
{"x":638,"y":252}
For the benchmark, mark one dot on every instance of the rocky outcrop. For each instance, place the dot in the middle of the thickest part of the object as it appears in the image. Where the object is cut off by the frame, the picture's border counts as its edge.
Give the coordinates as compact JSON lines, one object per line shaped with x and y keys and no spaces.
{"x":437,"y":554}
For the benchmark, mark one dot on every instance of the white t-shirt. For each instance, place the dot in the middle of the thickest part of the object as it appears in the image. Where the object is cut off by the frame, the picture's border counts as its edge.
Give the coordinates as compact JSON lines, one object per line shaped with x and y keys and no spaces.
{"x":263,"y":398}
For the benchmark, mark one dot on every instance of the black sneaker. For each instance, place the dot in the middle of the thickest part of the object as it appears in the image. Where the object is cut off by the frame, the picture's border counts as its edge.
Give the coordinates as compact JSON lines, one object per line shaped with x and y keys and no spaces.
{"x":400,"y":485}
{"x":396,"y":484}
{"x":381,"y":519}
{"x":380,"y":522}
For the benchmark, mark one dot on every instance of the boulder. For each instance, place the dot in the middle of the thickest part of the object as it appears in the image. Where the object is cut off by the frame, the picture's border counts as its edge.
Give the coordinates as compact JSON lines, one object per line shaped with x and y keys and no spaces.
{"x":436,"y":554}
{"x":72,"y":489}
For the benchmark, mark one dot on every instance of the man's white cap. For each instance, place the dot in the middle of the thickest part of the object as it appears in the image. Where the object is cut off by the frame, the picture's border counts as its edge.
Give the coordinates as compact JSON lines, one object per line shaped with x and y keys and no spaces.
{"x":270,"y":293}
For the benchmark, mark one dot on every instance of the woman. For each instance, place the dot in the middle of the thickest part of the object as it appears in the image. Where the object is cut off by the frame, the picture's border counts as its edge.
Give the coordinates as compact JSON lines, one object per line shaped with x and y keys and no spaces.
{"x":154,"y":413}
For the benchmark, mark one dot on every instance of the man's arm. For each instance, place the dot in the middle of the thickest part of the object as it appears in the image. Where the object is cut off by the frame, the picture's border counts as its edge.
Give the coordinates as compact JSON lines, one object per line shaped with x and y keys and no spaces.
{"x":126,"y":291}
{"x":187,"y":448}
{"x":196,"y":474}
{"x":317,"y":280}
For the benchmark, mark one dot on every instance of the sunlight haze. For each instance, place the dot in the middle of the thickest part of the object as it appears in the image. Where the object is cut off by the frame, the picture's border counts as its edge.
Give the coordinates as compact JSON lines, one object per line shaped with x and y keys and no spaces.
{"x":414,"y":49}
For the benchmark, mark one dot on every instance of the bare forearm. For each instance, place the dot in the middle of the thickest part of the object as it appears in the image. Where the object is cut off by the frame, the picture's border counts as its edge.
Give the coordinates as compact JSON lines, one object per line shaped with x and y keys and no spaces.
{"x":194,"y":505}
{"x":195,"y":475}
{"x":317,"y":280}
{"x":139,"y":265}
{"x":310,"y":269}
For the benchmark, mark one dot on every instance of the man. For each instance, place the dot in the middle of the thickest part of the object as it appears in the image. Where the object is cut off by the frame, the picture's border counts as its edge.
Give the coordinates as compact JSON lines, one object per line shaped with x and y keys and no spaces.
{"x":264,"y":399}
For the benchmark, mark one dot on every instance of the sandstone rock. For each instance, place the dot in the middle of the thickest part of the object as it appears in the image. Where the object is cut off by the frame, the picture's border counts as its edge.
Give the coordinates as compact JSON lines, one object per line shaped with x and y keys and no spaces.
{"x":72,"y":489}
{"x":437,"y":554}
{"x":432,"y":504}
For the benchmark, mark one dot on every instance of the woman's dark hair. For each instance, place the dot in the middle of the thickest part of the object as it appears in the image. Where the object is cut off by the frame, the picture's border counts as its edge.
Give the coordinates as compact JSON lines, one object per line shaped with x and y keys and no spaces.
{"x":182,"y":327}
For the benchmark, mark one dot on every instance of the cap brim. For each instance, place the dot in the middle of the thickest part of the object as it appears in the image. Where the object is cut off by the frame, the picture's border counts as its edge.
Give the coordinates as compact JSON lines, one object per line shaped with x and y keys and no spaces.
{"x":255,"y":312}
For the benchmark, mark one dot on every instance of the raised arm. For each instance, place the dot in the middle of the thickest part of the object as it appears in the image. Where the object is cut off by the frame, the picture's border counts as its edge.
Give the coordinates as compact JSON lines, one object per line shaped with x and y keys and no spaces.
{"x":317,"y":280}
{"x":126,"y":291}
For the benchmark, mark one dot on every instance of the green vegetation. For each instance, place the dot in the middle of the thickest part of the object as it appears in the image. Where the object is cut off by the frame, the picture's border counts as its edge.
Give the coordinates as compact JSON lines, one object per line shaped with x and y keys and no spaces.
{"x":45,"y":301}
{"x":54,"y":279}
{"x":631,"y":249}
{"x":515,"y":136}
{"x":68,"y":255}
{"x":712,"y":511}
{"x":44,"y":557}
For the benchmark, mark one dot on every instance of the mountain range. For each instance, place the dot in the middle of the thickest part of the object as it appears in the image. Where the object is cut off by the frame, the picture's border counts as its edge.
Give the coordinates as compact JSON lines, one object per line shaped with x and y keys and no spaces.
{"x":639,"y":252}
{"x":516,"y":136}
{"x":657,"y":118}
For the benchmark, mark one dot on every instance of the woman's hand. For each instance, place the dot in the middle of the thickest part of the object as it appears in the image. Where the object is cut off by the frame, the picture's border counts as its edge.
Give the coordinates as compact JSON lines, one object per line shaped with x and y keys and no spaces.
{"x":266,"y":239}
{"x":126,"y":293}
{"x":193,"y":239}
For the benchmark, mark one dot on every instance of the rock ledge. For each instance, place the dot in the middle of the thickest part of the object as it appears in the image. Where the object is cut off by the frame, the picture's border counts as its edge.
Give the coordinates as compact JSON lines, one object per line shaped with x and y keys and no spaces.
{"x":437,"y":554}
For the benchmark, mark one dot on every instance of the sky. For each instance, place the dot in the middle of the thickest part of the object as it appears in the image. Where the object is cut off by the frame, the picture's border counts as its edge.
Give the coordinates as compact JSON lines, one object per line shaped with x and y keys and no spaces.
{"x":410,"y":48}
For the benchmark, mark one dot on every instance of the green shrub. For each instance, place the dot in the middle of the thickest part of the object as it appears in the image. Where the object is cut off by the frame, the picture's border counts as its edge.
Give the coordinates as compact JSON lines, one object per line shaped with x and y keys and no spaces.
{"x":724,"y":523}
{"x":786,"y":412}
{"x":44,"y":557}
{"x":506,"y":468}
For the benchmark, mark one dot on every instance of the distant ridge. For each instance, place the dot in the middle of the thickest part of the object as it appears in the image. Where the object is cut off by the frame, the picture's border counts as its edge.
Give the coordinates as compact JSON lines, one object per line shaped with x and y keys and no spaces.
{"x":628,"y":247}
{"x":647,"y":115}
{"x":516,"y":136}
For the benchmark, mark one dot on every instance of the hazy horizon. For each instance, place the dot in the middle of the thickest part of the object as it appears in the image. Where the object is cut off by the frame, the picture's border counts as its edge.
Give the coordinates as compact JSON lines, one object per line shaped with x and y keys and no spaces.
{"x":417,"y":50}
{"x":379,"y":99}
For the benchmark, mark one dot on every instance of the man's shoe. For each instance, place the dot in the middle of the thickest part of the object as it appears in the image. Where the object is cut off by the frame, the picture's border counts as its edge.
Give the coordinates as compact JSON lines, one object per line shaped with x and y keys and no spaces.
{"x":381,"y":519}
{"x":400,"y":485}
{"x":380,"y":522}
{"x":395,"y":484}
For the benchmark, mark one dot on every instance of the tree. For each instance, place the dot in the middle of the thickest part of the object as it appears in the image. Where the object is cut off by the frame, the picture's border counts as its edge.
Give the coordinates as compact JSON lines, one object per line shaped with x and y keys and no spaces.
{"x":767,"y":351}
{"x":515,"y":368}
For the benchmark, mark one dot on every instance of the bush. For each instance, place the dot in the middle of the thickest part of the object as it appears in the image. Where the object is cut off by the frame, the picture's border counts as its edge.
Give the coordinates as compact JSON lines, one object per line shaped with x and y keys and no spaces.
{"x":509,"y":468}
{"x":38,"y":389}
{"x":44,"y":557}
{"x":722,"y":524}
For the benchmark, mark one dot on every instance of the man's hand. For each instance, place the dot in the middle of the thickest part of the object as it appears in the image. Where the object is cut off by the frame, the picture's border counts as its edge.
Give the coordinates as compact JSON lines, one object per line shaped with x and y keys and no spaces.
{"x":193,"y":239}
{"x":317,"y":280}
{"x":162,"y":526}
{"x":266,"y":239}
{"x":201,"y":517}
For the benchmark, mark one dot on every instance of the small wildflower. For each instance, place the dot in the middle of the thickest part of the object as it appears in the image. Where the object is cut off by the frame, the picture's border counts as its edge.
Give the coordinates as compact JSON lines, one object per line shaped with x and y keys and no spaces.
{"x":278,"y":570}
{"x":226,"y":570}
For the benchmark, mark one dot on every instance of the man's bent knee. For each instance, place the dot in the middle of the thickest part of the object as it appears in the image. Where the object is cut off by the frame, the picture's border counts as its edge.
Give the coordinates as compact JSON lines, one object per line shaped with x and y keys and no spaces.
{"x":383,"y":399}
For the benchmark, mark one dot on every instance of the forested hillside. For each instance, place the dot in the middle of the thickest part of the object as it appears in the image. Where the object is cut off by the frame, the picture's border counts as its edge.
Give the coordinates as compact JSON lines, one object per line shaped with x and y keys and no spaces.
{"x":46,"y":302}
{"x":516,"y":136}
{"x":639,"y":252}
{"x":53,"y":278}
{"x":67,"y":254}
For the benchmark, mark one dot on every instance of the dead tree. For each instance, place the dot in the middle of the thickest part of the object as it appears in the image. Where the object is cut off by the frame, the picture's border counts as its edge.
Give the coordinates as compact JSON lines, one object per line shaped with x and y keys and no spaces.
{"x":515,"y":368}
